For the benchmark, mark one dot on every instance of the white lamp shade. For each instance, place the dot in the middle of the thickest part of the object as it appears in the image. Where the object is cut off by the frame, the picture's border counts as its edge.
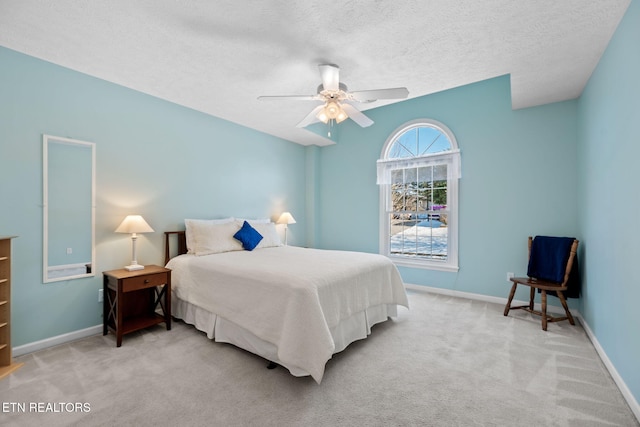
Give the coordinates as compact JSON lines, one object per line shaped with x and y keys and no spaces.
{"x":134,"y":224}
{"x":332,"y":109}
{"x":322,"y":116}
{"x":286,"y":218}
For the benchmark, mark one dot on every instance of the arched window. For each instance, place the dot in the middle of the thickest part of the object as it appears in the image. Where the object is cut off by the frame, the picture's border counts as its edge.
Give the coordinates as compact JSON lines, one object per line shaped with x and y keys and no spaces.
{"x":418,"y":174}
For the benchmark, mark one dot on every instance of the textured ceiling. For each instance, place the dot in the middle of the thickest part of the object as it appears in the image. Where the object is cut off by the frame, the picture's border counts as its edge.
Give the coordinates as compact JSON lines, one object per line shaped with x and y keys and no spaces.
{"x":219,"y":56}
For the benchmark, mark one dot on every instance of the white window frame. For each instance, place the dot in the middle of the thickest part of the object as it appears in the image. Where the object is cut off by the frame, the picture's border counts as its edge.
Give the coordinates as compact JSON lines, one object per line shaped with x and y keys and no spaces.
{"x":452,"y":159}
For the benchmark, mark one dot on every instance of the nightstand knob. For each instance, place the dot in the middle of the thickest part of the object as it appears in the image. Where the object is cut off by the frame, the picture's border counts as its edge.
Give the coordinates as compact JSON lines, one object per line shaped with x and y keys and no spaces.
{"x":146,"y":281}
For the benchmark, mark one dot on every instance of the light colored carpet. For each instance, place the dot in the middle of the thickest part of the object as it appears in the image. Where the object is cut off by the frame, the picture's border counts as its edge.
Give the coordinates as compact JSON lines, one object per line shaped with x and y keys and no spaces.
{"x":445,"y":362}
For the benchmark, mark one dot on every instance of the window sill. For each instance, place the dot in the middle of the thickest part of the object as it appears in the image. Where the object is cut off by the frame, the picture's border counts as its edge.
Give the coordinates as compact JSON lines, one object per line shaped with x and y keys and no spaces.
{"x":425,"y":265}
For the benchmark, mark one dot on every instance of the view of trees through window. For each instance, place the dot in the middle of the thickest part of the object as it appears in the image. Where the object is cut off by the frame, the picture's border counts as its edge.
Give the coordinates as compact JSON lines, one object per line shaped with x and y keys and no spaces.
{"x":419,"y":212}
{"x":418,"y":215}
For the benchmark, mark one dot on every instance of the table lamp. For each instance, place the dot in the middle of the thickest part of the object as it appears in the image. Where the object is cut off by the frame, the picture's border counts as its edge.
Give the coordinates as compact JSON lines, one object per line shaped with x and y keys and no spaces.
{"x":286,"y":218}
{"x":134,"y":224}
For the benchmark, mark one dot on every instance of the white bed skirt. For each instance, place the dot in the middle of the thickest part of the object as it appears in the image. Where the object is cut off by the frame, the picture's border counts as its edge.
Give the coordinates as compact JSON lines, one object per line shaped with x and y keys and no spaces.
{"x":351,"y":329}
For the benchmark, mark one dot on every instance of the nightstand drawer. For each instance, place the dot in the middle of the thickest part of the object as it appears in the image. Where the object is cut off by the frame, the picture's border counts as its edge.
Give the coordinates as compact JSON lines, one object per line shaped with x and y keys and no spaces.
{"x":142,"y":282}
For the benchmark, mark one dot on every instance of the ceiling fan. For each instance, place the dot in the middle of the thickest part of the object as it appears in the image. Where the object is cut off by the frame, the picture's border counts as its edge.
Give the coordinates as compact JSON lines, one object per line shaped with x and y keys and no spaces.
{"x":338,"y":101}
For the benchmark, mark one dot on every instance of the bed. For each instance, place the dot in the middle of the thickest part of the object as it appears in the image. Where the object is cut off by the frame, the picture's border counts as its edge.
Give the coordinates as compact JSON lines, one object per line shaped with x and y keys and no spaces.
{"x":293,"y":306}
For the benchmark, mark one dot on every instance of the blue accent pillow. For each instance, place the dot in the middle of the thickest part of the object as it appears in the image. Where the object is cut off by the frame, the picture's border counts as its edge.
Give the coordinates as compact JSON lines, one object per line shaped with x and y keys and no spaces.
{"x":248,"y":236}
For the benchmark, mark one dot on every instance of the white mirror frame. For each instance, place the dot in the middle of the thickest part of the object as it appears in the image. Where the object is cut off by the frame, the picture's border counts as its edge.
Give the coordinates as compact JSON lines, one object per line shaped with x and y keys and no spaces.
{"x":46,"y":139}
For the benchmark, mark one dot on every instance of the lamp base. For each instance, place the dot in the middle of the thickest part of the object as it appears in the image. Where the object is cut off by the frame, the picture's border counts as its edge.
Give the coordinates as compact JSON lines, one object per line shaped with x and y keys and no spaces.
{"x":134,"y":267}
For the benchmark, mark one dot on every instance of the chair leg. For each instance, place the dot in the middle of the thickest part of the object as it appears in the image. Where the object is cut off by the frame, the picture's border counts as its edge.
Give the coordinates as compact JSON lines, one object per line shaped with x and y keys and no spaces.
{"x":566,"y":308}
{"x":511,"y":295}
{"x":532,"y":297}
{"x":544,"y":309}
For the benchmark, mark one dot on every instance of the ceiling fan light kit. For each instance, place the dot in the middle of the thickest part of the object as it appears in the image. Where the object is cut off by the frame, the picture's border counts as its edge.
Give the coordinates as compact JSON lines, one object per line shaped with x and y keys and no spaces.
{"x":332,"y":111}
{"x":338,"y":101}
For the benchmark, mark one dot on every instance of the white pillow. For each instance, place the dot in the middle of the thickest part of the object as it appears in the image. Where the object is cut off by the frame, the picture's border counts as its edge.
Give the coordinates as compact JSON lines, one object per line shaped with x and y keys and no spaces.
{"x":253,"y":221}
{"x":211,"y":238}
{"x":191,"y":231}
{"x":268,"y":231}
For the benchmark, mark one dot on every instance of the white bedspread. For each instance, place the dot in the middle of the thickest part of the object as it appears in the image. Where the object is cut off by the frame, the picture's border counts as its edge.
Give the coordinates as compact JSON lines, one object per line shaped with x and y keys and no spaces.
{"x":289,"y":296}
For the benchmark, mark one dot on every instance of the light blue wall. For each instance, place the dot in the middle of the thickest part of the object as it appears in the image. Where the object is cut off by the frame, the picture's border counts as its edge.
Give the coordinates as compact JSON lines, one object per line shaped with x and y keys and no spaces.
{"x":311,"y":193}
{"x":609,"y":175}
{"x":154,"y":158}
{"x":518,"y":179}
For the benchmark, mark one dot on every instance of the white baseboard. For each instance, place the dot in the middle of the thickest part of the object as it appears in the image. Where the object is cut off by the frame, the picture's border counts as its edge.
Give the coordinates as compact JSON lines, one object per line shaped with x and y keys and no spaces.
{"x":486,"y":298}
{"x":631,"y":401}
{"x":57,"y":340}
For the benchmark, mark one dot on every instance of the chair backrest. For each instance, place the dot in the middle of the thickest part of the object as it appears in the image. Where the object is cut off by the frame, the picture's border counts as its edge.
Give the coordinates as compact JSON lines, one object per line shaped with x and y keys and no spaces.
{"x":555,"y":243}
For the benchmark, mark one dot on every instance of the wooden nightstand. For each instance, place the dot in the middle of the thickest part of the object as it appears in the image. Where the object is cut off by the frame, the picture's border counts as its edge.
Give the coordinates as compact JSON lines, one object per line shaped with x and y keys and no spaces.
{"x":132,"y":297}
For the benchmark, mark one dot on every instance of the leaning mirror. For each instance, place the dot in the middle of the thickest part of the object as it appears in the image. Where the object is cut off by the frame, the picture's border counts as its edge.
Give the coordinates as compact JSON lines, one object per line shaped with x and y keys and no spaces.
{"x":69,"y":208}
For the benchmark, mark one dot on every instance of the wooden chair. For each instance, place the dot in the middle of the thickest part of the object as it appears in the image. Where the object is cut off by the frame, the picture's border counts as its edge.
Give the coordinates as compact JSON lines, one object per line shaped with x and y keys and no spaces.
{"x":544,"y":286}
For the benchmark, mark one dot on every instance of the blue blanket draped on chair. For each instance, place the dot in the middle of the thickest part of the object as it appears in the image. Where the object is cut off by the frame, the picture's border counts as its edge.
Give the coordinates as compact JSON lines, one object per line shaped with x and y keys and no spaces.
{"x":548,"y":261}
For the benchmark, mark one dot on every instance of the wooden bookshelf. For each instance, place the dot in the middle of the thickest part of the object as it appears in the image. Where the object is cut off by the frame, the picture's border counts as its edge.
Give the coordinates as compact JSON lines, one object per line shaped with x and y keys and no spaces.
{"x":6,"y":362}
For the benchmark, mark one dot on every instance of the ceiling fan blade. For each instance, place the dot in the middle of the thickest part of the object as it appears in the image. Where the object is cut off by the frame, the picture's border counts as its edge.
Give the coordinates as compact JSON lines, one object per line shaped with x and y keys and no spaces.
{"x":373,"y":95}
{"x":291,"y":98}
{"x":355,"y":115}
{"x":311,"y":117}
{"x":330,"y":75}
